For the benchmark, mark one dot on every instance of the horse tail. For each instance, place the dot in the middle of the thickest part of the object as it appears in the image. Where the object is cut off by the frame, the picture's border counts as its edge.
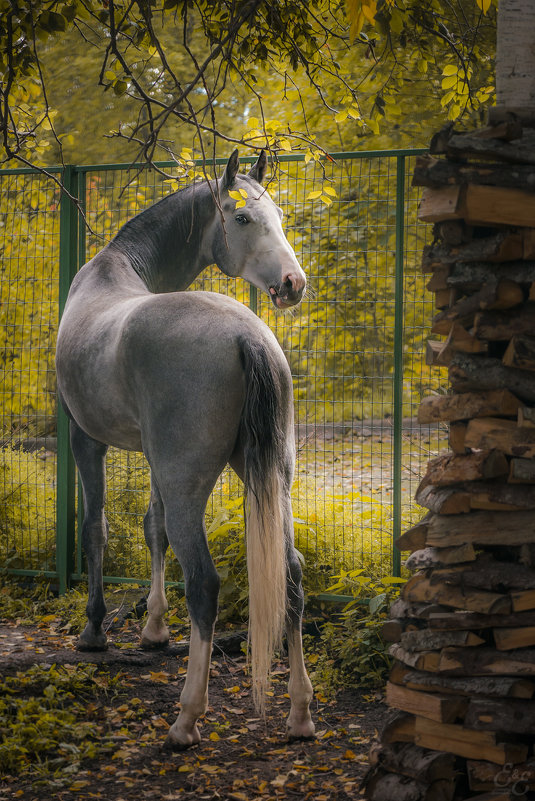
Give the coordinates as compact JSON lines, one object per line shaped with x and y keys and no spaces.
{"x":263,"y":437}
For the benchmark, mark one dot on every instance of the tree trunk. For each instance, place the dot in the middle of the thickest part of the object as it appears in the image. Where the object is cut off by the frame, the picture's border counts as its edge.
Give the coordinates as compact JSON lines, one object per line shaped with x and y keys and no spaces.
{"x":515,"y":56}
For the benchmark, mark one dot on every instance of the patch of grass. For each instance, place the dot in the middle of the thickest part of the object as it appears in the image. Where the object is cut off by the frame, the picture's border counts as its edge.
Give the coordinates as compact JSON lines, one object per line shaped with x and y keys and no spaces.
{"x":46,"y":734}
{"x":350,"y":651}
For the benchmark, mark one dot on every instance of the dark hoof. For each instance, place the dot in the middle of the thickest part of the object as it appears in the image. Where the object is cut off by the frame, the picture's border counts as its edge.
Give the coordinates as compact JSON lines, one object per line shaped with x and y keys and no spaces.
{"x":89,"y":640}
{"x":154,"y":646}
{"x":88,"y":646}
{"x":175,"y":748}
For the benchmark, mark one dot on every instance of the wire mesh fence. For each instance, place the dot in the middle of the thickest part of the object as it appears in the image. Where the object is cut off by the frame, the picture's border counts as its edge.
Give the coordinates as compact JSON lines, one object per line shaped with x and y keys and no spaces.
{"x":352,"y":222}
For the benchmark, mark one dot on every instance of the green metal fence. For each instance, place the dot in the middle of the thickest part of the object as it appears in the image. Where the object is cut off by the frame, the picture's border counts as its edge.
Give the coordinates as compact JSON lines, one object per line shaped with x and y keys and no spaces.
{"x":355,"y":345}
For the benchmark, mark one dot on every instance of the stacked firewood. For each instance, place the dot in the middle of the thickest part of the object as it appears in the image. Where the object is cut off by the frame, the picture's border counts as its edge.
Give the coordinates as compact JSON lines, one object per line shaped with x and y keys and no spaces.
{"x":462,"y":687}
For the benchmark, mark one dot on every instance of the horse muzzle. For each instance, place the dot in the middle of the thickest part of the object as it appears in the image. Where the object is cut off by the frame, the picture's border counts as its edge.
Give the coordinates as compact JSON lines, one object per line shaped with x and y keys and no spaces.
{"x":289,"y":291}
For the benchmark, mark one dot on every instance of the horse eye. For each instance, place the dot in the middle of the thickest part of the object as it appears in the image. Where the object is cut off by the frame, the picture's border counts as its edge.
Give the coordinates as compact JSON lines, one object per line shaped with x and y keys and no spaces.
{"x":241,"y":219}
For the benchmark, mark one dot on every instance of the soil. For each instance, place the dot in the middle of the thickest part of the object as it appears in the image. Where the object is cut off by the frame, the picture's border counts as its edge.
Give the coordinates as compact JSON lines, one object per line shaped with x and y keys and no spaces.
{"x":240,"y":758}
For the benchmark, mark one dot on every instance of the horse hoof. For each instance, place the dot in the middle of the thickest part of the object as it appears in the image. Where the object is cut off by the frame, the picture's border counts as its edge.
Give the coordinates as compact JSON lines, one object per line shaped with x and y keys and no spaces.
{"x":302,"y":731}
{"x":150,"y":645}
{"x":91,"y":640}
{"x":181,"y":740}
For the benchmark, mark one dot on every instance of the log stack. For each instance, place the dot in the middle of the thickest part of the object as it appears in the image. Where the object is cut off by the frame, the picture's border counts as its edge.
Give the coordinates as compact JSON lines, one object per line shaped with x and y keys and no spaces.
{"x":462,"y":686}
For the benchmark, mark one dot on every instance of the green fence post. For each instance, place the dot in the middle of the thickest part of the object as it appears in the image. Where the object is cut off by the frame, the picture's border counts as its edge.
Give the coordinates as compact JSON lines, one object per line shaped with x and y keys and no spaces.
{"x":66,"y":477}
{"x":398,"y":361}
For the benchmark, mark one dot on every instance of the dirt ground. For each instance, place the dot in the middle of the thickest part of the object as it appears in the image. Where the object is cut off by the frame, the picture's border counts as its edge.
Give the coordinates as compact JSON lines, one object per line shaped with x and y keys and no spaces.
{"x":241,"y":758}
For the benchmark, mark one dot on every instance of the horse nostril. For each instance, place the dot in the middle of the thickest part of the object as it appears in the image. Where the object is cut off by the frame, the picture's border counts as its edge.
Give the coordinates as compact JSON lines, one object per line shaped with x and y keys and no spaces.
{"x":288,"y":283}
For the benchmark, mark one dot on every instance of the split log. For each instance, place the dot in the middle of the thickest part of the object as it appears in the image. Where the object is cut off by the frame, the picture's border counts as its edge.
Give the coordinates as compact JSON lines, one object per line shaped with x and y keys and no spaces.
{"x":468,"y":686}
{"x":478,"y":205}
{"x":452,"y":468}
{"x":437,"y":354}
{"x":505,"y":435}
{"x":476,"y":621}
{"x":470,"y":373}
{"x":466,"y":742}
{"x":442,"y":708}
{"x":391,"y":630}
{"x":500,"y":497}
{"x":470,"y":277}
{"x":526,"y":416}
{"x":440,"y":204}
{"x":482,"y":661}
{"x":421,"y":588}
{"x":481,"y":528}
{"x":412,"y":761}
{"x":445,"y":298}
{"x":429,"y":640}
{"x":452,"y":232}
{"x":439,"y":172}
{"x":483,"y":776}
{"x":507,"y":639}
{"x":391,"y":785}
{"x":523,"y":600}
{"x":520,"y":152}
{"x":438,"y":279}
{"x":504,"y":325}
{"x":516,"y":716}
{"x":503,"y":246}
{"x":487,"y":573}
{"x":437,"y":557}
{"x":401,"y":609}
{"x":477,"y":496}
{"x":398,"y":728}
{"x":520,"y":353}
{"x":456,"y":437}
{"x":466,"y":405}
{"x":443,"y":501}
{"x":522,"y":471}
{"x":414,"y":538}
{"x":423,"y":660}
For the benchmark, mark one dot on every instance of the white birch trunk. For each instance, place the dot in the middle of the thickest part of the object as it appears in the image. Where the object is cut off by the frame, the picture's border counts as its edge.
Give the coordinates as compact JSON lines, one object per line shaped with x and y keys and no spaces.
{"x":515,"y":56}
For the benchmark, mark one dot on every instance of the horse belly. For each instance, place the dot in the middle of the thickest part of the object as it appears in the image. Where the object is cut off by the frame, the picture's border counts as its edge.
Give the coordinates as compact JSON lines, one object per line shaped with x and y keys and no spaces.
{"x":94,"y":389}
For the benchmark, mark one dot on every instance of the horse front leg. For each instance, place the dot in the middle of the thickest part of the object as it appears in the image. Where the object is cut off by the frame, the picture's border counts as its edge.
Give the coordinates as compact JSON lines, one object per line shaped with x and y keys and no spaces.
{"x":155,"y":633}
{"x":299,"y":725}
{"x":90,"y":459}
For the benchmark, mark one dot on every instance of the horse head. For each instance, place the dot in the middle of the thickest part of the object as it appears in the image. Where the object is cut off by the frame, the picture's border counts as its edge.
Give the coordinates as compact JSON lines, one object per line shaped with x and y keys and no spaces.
{"x":249,"y":240}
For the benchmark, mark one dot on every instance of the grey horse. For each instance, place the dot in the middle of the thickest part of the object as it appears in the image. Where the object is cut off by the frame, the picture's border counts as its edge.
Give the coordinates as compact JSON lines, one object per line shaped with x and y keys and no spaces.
{"x":194,"y":380}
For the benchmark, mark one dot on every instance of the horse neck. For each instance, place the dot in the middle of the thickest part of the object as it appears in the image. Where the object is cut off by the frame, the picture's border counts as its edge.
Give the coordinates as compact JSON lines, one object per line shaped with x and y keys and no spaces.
{"x":165,"y":244}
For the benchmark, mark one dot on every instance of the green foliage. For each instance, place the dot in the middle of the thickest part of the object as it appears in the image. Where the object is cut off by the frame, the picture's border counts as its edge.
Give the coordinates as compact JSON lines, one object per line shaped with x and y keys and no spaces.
{"x":350,"y":651}
{"x":27,"y":510}
{"x":46,"y":733}
{"x":294,"y":68}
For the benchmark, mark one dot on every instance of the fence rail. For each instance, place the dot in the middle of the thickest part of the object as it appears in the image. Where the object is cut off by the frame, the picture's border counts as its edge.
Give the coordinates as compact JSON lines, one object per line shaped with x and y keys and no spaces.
{"x":355,"y":349}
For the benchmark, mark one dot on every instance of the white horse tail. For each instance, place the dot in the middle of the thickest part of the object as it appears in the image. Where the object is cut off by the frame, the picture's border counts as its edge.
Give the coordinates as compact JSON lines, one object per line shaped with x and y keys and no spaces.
{"x":263,"y":437}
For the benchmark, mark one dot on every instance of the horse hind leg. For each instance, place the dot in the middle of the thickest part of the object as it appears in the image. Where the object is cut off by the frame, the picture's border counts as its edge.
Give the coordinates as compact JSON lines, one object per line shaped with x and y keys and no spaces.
{"x":155,"y":633}
{"x":187,"y":536}
{"x":90,"y":459}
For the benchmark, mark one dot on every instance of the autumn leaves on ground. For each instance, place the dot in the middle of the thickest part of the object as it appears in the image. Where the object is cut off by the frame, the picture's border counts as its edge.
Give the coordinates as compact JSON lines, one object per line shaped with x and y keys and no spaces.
{"x":83,"y":726}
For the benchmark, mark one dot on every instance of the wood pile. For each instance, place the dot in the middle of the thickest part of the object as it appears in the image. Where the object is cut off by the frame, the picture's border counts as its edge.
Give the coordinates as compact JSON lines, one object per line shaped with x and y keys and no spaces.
{"x":462,"y":687}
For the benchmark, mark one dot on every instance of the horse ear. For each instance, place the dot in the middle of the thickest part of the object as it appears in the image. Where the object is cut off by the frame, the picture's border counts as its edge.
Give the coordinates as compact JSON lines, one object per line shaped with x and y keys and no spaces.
{"x":258,"y":172}
{"x":231,"y":170}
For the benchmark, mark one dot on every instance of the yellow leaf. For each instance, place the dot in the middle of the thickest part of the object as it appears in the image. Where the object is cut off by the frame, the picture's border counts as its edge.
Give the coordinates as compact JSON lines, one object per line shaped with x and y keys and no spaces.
{"x":326,"y":199}
{"x":330,"y":190}
{"x":484,"y":5}
{"x":240,"y":204}
{"x":349,"y":754}
{"x":450,"y":82}
{"x":159,"y":676}
{"x":369,"y":9}
{"x":234,"y":194}
{"x":214,"y":736}
{"x":450,"y":69}
{"x":314,"y":195}
{"x":341,"y":116}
